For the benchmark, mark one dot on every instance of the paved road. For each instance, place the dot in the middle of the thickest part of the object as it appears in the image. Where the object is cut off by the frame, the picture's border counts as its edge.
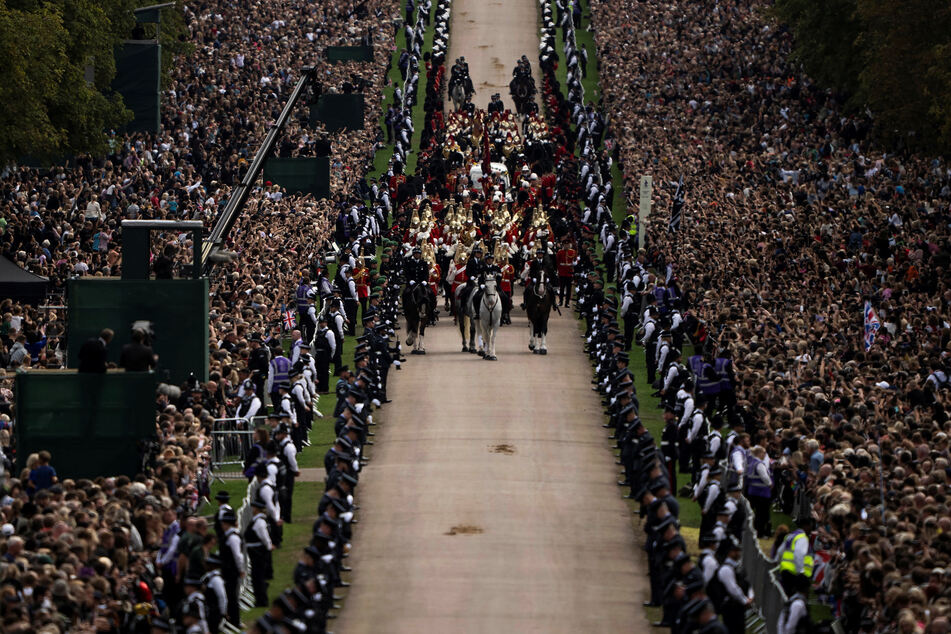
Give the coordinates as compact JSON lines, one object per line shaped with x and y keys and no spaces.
{"x":490,"y":503}
{"x":492,"y":35}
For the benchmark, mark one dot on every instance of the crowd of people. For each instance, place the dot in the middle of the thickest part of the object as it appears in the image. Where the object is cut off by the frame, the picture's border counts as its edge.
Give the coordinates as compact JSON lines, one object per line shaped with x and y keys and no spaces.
{"x":124,"y":554}
{"x":812,"y":263}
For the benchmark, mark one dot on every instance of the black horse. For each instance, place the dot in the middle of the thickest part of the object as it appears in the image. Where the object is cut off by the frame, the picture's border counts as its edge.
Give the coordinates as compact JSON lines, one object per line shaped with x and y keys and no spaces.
{"x":416,"y":304}
{"x":522,"y":89}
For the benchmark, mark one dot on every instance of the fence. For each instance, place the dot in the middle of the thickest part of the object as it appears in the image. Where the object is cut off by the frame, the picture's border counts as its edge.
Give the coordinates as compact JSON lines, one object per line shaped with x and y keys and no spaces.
{"x":231,"y":438}
{"x":769,"y":598}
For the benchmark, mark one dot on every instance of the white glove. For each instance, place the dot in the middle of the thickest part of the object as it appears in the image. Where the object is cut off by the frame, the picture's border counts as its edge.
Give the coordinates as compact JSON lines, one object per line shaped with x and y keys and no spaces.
{"x":346,"y":517}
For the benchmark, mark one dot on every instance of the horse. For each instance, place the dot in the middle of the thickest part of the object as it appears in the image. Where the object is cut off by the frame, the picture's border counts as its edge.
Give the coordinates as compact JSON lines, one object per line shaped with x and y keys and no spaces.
{"x":538,"y":304}
{"x":465,"y":320}
{"x":459,"y":94}
{"x":416,"y":310}
{"x":490,"y":318}
{"x":522,"y":89}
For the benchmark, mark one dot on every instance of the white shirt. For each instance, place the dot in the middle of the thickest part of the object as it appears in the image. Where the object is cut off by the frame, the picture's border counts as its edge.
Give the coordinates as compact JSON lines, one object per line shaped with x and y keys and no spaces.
{"x":791,"y":615}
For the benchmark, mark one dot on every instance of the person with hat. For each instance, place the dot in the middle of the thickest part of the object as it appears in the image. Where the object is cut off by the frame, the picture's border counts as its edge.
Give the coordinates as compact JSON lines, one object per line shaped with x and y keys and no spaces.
{"x":710,"y":497}
{"x":193,"y":617}
{"x":216,"y":597}
{"x":302,"y":405}
{"x":259,"y":360}
{"x":257,"y":540}
{"x":232,"y":565}
{"x":338,"y":324}
{"x":566,"y":260}
{"x":249,"y":403}
{"x":223,"y":498}
{"x":287,"y":454}
{"x":794,"y":618}
{"x":193,"y":607}
{"x":270,"y":476}
{"x":325,"y":348}
{"x":734,"y":595}
{"x":696,"y":435}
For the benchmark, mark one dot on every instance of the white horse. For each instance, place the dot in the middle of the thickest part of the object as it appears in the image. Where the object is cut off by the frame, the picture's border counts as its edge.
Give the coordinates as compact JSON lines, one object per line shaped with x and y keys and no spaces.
{"x":490,"y":317}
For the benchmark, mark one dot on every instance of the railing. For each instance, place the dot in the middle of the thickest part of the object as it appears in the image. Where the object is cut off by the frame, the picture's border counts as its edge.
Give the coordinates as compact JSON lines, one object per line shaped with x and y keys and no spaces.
{"x":769,"y":597}
{"x":231,"y":438}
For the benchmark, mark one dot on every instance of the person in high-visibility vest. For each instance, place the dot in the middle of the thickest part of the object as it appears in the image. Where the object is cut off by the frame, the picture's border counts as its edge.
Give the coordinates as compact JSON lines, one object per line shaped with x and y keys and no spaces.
{"x":795,"y":557}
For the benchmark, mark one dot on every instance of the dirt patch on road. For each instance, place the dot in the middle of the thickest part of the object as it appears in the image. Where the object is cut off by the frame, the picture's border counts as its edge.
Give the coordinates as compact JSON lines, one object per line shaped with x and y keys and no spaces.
{"x":464,"y":529}
{"x":504,"y":449}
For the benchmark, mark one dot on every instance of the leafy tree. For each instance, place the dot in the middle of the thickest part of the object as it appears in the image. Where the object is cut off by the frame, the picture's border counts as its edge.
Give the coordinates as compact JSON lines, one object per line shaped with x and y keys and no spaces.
{"x":893,"y":57}
{"x":32,"y":65}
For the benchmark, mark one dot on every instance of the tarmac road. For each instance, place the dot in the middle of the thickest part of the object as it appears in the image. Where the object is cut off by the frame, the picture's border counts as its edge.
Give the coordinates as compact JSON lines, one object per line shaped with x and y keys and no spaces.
{"x":492,"y":35}
{"x":490,"y":502}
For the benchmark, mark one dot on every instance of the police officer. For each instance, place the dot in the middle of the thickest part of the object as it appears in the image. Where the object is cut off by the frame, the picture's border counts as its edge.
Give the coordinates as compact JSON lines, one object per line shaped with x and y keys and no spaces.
{"x":257,"y":540}
{"x":304,"y":298}
{"x":325,"y":348}
{"x":232,"y":565}
{"x":795,"y":556}
{"x":216,"y":597}
{"x":287,"y":454}
{"x":224,"y":508}
{"x":737,"y":595}
{"x":258,"y":360}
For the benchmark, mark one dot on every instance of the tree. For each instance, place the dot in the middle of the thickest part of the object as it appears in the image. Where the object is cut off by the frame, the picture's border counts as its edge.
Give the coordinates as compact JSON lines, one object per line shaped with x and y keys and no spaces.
{"x":50,"y":108}
{"x":892,"y":57}
{"x":32,"y":64}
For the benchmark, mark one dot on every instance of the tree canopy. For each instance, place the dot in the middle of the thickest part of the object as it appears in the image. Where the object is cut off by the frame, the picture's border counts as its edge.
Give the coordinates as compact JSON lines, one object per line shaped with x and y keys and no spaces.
{"x":892,"y":57}
{"x":46,"y":46}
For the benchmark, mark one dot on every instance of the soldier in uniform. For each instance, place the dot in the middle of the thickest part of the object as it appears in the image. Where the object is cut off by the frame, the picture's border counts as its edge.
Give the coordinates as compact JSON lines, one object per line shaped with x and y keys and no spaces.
{"x":566,"y":259}
{"x":361,"y":279}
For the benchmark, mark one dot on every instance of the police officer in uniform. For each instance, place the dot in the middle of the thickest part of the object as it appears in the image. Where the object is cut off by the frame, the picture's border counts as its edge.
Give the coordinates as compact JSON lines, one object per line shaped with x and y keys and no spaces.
{"x":325,"y":347}
{"x":736,"y":594}
{"x":232,"y":565}
{"x":216,"y":597}
{"x":257,"y":540}
{"x":287,"y":454}
{"x":258,"y":361}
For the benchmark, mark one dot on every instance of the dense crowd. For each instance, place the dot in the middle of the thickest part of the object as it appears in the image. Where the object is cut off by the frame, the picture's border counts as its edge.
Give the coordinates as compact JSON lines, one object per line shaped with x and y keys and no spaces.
{"x":83,"y":554}
{"x":794,"y":219}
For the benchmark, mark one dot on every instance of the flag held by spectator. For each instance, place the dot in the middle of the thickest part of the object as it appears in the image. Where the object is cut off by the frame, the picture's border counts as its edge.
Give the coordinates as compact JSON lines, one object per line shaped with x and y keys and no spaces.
{"x":872,"y":324}
{"x":677,"y":210}
{"x":289,"y":318}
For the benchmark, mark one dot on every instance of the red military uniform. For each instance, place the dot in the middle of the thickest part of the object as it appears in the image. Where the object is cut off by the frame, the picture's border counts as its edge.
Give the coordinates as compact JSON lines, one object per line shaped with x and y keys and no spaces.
{"x":566,"y":261}
{"x":508,"y":278}
{"x":361,"y":278}
{"x":435,"y":276}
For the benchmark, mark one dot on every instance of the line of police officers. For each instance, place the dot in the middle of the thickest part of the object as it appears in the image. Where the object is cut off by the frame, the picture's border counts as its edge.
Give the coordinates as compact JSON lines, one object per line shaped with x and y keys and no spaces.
{"x":272,"y":466}
{"x":708,"y":593}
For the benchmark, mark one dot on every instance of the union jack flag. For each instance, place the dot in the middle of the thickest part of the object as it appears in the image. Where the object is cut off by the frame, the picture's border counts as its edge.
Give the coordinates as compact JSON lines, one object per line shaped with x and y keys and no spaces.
{"x":290,"y":321}
{"x":872,"y":324}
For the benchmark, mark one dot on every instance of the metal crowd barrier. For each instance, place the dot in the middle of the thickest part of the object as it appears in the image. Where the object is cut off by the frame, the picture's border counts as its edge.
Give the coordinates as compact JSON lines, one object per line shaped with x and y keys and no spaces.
{"x":231,"y":438}
{"x":769,"y":597}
